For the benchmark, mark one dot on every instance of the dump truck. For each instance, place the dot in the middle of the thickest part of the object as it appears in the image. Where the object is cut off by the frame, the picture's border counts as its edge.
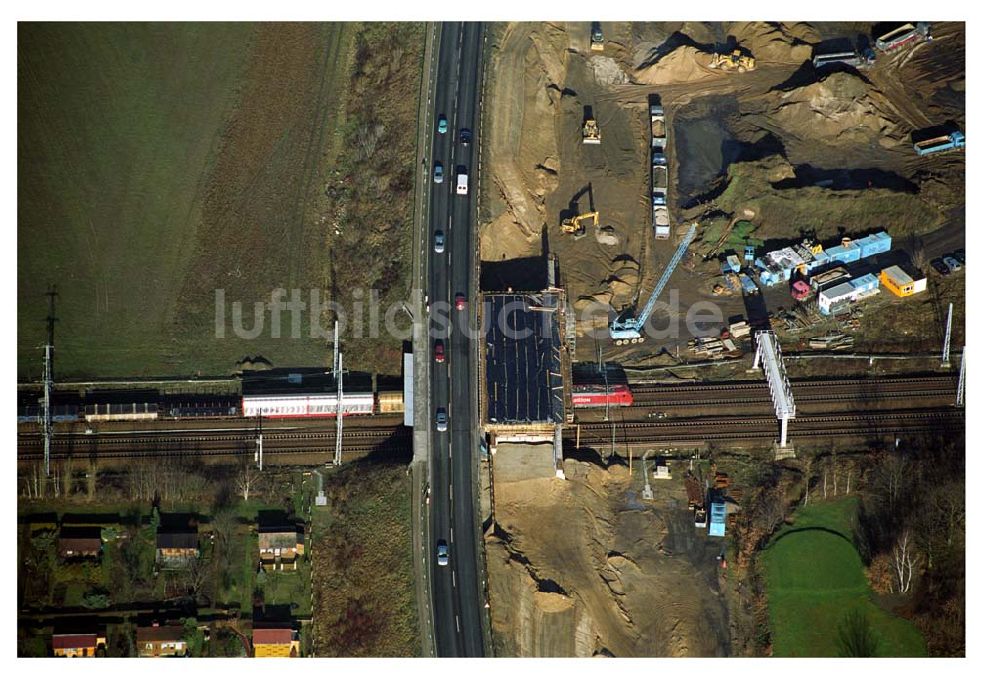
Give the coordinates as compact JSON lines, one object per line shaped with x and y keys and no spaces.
{"x":658,"y":126}
{"x":939,"y":144}
{"x":659,"y":181}
{"x":737,"y":61}
{"x":695,"y":495}
{"x":591,"y":132}
{"x":857,"y":59}
{"x":596,"y":39}
{"x":903,"y":35}
{"x":661,"y":223}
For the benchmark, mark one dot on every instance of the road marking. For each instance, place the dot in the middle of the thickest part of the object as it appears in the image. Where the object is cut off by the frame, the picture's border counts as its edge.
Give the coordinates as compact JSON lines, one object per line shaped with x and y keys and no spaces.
{"x":454,"y":581}
{"x":458,"y":628}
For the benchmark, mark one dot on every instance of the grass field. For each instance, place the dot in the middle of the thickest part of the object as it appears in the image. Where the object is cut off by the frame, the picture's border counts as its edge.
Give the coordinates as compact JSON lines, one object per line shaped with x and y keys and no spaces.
{"x":815,"y":578}
{"x":156,"y":164}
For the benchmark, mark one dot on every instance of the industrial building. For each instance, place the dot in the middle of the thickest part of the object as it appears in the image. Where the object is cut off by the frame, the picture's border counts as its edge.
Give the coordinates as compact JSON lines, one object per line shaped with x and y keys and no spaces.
{"x":840,"y":296}
{"x":777,"y":266}
{"x":900,"y":283}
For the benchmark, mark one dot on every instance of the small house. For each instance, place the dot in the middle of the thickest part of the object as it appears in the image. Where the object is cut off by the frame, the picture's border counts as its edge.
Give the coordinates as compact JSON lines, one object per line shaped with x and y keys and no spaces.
{"x":160,"y":640}
{"x":275,"y":643}
{"x":77,"y":646}
{"x":79,"y":542}
{"x":176,"y":548}
{"x":280,"y":546}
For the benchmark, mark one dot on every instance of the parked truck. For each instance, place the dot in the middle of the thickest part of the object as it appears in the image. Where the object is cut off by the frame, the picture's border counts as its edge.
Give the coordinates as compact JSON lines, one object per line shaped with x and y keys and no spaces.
{"x":903,"y":35}
{"x":856,"y":59}
{"x":938,"y":144}
{"x":658,"y":125}
{"x":659,"y":186}
{"x":661,"y":223}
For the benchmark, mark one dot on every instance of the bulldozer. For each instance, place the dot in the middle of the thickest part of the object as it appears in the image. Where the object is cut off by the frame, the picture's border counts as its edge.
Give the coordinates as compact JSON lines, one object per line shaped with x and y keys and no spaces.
{"x":737,"y":61}
{"x":591,"y":132}
{"x":574,"y":225}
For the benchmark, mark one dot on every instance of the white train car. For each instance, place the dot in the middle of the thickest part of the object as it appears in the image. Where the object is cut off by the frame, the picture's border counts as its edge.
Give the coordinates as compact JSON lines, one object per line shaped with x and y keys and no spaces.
{"x":306,"y":406}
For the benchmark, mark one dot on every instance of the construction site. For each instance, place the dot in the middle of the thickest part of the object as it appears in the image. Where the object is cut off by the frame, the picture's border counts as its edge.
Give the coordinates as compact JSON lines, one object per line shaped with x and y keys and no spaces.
{"x":720,"y":207}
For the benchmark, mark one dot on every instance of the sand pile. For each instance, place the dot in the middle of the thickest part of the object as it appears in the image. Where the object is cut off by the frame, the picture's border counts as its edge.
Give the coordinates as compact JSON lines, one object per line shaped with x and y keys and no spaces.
{"x":683,"y":64}
{"x":840,"y":109}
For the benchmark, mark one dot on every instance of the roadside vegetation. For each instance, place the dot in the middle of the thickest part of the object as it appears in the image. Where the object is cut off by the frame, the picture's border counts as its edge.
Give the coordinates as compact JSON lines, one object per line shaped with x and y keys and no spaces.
{"x":371,"y":182}
{"x":363,"y":568}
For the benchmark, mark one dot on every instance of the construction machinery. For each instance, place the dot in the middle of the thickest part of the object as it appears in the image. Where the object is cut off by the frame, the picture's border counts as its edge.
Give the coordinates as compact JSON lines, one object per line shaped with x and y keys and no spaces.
{"x":591,"y":132}
{"x":953,"y":141}
{"x":574,"y":225}
{"x":626,"y":329}
{"x":596,"y":38}
{"x":737,"y":61}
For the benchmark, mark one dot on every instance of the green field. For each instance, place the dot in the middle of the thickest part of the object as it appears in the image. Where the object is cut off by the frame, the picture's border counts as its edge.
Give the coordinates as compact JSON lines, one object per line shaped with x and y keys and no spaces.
{"x":156,"y":164}
{"x":815,"y":577}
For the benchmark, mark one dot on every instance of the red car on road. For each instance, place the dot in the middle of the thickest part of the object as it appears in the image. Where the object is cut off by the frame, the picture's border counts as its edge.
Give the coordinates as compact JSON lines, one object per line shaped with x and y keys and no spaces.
{"x":460,"y":301}
{"x":439,"y":351}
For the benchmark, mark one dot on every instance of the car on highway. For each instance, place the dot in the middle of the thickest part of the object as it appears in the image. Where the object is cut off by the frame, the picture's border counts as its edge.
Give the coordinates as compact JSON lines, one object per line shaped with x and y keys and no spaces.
{"x":952,"y":263}
{"x":459,"y":301}
{"x":940,"y":267}
{"x":439,"y":351}
{"x":465,"y":136}
{"x":439,"y":241}
{"x":442,"y":420}
{"x":442,"y":553}
{"x":438,"y":173}
{"x":442,"y":124}
{"x":462,"y":181}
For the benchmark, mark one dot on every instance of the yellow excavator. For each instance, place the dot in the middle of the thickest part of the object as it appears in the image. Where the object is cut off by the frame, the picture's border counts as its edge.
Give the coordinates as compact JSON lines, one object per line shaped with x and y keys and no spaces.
{"x":591,"y":132}
{"x":574,"y":225}
{"x":737,"y":61}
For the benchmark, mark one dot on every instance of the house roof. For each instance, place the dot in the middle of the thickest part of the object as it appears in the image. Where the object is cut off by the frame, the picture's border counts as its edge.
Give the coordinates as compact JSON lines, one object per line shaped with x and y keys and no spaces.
{"x":273,"y":636}
{"x":79,"y":544}
{"x":177,"y":540}
{"x":73,"y":641}
{"x":160,"y":633}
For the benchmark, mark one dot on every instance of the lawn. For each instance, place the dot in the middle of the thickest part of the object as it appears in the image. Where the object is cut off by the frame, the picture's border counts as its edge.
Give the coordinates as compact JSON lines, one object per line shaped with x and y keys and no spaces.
{"x":815,"y":577}
{"x":158,"y":163}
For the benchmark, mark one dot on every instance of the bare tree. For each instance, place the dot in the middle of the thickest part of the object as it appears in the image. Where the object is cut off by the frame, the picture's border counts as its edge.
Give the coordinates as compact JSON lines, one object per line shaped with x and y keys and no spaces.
{"x":904,"y":561}
{"x":247,"y":477}
{"x":807,"y":462}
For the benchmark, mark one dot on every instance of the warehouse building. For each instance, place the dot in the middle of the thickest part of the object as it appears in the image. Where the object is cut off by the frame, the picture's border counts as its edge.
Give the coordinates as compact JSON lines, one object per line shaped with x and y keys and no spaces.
{"x":839,"y":297}
{"x":900,"y":283}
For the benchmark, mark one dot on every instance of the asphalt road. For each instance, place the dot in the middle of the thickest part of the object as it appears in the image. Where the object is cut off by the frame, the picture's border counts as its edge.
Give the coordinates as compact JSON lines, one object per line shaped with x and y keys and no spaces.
{"x":455,"y":588}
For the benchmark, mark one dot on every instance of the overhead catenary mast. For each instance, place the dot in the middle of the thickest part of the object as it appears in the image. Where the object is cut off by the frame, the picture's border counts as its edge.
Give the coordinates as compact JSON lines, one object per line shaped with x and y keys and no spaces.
{"x":49,"y":377}
{"x":946,"y":351}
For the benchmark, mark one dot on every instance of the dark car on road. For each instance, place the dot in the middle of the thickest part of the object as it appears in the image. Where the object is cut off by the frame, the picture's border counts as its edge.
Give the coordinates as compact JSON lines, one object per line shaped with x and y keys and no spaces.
{"x":465,"y":136}
{"x":940,"y":267}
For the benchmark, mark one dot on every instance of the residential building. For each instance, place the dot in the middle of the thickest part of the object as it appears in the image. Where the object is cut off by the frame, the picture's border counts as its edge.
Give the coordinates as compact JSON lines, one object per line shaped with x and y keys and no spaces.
{"x":77,"y":646}
{"x":275,"y":643}
{"x":280,"y":546}
{"x":160,"y":640}
{"x":79,"y":542}
{"x":176,"y":548}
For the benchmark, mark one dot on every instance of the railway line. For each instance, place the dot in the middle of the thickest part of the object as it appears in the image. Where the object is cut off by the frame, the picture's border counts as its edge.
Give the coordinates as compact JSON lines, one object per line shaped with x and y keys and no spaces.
{"x":735,"y":428}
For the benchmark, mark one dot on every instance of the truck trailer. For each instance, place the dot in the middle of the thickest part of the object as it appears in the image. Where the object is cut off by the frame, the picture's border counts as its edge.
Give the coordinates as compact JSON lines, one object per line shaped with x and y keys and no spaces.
{"x":939,"y":144}
{"x":658,"y":127}
{"x":903,"y":35}
{"x":856,"y":59}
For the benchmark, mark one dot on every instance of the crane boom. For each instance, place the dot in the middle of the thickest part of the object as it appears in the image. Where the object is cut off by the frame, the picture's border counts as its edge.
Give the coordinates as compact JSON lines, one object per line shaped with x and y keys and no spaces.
{"x":629,"y":328}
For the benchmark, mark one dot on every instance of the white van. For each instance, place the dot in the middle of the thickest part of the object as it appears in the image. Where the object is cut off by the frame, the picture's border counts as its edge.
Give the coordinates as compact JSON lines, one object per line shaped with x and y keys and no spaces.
{"x":462,"y":187}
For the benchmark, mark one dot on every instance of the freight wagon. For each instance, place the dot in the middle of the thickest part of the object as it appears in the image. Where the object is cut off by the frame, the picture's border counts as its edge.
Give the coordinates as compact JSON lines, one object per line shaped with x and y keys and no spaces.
{"x":903,"y":35}
{"x":599,"y":395}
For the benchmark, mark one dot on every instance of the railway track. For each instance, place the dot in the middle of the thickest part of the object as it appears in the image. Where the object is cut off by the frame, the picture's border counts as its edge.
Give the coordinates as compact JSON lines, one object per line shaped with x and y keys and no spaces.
{"x":873,"y":385}
{"x":800,"y":398}
{"x":749,"y":428}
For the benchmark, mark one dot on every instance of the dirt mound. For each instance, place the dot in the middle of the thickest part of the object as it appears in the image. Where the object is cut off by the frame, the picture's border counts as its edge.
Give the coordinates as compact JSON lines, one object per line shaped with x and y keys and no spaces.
{"x":771,"y":43}
{"x":607,"y":71}
{"x":840,"y":109}
{"x":683,"y":64}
